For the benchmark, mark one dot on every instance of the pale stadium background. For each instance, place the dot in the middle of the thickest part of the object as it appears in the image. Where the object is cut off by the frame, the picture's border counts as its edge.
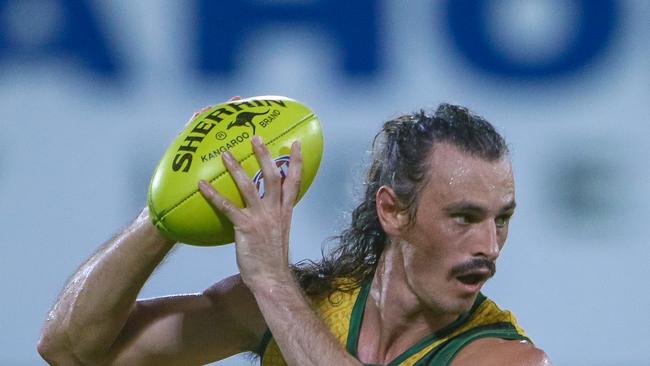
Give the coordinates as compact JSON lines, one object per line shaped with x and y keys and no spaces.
{"x":92,"y":92}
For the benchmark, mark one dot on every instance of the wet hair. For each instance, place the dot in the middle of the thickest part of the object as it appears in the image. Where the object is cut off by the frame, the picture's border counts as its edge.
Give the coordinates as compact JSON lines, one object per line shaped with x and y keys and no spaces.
{"x":400,"y":156}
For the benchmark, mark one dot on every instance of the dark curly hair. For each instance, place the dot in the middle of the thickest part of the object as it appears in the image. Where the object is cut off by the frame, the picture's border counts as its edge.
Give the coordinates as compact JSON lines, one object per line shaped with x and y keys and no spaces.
{"x":399,"y":160}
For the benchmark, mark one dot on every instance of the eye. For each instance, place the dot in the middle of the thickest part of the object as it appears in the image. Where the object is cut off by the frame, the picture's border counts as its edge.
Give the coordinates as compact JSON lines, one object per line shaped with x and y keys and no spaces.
{"x":461,"y":219}
{"x":502,"y":221}
{"x":464,"y":219}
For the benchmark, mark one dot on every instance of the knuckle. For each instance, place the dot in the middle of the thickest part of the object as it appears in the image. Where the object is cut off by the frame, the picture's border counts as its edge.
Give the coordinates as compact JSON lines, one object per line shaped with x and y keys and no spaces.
{"x":225,"y":205}
{"x":295,"y":180}
{"x":249,"y":188}
{"x":287,"y":211}
{"x":275,"y":177}
{"x":245,"y":227}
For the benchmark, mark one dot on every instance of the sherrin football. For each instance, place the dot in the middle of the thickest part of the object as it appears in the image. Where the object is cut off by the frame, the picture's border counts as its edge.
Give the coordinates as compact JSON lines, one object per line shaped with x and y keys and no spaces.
{"x":176,"y":206}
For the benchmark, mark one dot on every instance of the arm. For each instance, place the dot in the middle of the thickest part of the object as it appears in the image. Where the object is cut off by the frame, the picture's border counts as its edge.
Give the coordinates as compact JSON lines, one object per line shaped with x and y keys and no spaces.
{"x":302,"y":337}
{"x":262,"y":237}
{"x":98,"y":299}
{"x":500,"y":352}
{"x":96,"y":319}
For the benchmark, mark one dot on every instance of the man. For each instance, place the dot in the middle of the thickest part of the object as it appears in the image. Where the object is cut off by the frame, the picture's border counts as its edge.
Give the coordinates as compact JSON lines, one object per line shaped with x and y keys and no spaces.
{"x":402,"y":288}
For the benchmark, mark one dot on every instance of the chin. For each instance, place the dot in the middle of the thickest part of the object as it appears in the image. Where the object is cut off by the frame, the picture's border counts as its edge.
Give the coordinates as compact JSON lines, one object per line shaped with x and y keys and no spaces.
{"x":462,"y":304}
{"x":453,"y":305}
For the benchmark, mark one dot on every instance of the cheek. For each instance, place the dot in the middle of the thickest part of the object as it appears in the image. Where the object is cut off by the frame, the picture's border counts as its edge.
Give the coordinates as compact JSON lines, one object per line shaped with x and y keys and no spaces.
{"x":422,"y":258}
{"x":424,"y":270}
{"x":502,"y":236}
{"x":429,"y":243}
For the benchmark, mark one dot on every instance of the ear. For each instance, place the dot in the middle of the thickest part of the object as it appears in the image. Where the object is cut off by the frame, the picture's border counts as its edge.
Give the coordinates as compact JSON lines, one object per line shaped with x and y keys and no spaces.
{"x":391,"y":215}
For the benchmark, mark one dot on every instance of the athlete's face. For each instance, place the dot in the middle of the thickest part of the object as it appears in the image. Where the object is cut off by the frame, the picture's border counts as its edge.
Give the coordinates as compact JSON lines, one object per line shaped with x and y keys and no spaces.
{"x":460,"y":227}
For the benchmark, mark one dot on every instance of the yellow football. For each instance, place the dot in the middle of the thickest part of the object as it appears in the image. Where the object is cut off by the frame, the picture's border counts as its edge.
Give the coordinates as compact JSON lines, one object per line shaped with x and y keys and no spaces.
{"x":176,"y":206}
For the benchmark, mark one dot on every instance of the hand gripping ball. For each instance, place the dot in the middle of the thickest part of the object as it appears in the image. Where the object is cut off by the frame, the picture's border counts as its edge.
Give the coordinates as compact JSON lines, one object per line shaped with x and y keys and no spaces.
{"x":176,"y":206}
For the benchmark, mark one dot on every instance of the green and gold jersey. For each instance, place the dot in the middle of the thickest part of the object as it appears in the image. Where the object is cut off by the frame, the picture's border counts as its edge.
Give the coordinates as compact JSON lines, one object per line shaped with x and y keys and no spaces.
{"x":343,"y":314}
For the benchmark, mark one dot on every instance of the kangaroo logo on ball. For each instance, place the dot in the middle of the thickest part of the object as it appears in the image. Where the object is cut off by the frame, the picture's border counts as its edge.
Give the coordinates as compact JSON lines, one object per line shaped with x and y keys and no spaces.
{"x":245,"y":119}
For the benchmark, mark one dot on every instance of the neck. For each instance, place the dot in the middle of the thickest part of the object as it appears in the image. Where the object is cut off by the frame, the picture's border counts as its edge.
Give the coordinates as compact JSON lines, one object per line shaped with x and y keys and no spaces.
{"x":395,"y":318}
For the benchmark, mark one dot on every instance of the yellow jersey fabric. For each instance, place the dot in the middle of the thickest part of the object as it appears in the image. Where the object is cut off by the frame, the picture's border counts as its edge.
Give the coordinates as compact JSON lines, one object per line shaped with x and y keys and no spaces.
{"x":342,"y":312}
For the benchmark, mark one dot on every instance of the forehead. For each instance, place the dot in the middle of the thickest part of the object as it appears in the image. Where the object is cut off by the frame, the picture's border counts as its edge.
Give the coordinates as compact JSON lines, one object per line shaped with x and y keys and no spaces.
{"x":457,"y":176}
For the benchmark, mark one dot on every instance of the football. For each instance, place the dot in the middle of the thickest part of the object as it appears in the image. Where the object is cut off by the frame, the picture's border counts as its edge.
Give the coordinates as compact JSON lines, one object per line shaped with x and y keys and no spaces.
{"x":177,"y":207}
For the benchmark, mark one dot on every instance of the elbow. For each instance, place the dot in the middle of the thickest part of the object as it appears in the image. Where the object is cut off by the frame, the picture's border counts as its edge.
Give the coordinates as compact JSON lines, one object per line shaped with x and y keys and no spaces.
{"x":42,"y":348}
{"x":48,"y":348}
{"x":51,"y":346}
{"x":54,"y":353}
{"x":55,"y":347}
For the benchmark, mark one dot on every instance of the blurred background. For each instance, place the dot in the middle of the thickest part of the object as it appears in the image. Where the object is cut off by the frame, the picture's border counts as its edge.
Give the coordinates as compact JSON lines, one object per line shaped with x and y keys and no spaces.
{"x":92,"y":92}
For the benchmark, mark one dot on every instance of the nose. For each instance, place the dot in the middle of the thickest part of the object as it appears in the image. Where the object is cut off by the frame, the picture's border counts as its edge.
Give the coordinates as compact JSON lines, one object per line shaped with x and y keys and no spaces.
{"x":486,"y":244}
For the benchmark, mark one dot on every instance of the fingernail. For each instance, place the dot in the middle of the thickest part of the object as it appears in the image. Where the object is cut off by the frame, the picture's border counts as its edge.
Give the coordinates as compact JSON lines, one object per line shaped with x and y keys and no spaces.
{"x":257,"y":140}
{"x":297,"y":144}
{"x":203,"y":184}
{"x":227,"y":156}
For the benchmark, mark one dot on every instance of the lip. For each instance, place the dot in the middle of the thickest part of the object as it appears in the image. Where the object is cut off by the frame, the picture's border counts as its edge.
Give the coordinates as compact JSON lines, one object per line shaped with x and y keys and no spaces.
{"x":473,"y":286}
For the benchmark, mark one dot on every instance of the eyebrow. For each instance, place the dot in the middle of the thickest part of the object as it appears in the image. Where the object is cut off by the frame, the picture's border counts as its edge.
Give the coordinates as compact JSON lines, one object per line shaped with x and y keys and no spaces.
{"x":465,"y":206}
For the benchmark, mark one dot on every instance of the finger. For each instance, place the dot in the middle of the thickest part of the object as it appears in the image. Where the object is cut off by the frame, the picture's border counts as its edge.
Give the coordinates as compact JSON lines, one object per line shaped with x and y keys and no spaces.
{"x":202,"y":110}
{"x":219,"y":203}
{"x":291,"y":186}
{"x":236,"y":97}
{"x":241,"y":178}
{"x":196,"y":114}
{"x":272,"y":176}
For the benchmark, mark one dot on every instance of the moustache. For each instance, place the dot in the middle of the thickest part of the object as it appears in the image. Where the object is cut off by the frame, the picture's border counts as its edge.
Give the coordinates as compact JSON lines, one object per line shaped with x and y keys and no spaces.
{"x":472,"y":265}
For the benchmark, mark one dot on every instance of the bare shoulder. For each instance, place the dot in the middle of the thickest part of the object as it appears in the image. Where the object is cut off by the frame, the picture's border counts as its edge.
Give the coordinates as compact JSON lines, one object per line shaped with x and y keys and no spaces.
{"x":232,"y":286}
{"x":234,"y":300}
{"x":495,"y":351}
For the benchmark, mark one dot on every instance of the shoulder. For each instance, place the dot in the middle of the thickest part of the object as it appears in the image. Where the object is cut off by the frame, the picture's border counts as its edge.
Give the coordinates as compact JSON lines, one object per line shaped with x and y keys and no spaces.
{"x":494,"y":351}
{"x":232,"y":300}
{"x":231,"y":292}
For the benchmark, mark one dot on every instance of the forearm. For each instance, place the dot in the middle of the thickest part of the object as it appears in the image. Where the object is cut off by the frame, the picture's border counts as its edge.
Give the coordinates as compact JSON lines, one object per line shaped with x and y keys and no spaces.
{"x":262,"y":238}
{"x":302,"y":337}
{"x":95,"y":304}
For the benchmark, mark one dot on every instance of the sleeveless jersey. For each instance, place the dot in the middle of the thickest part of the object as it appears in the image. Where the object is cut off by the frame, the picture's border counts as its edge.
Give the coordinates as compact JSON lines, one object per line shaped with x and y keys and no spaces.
{"x":342,"y":312}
